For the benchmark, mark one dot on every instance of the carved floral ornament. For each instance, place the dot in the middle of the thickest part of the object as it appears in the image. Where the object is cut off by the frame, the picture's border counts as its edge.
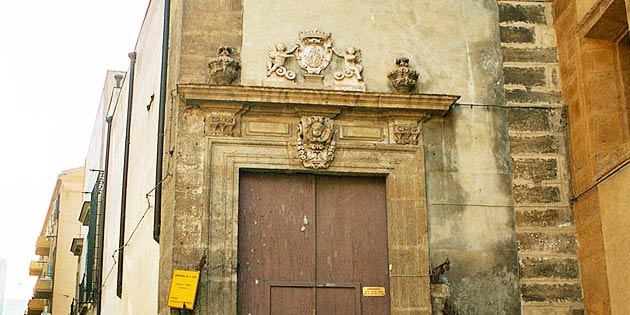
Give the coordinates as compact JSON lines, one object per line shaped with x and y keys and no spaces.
{"x":315,"y":141}
{"x":407,"y":133}
{"x":313,"y":50}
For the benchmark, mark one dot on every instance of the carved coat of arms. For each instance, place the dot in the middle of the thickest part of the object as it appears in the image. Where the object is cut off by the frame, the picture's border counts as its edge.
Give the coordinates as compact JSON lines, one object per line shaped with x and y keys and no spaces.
{"x":313,"y":50}
{"x":315,"y":142}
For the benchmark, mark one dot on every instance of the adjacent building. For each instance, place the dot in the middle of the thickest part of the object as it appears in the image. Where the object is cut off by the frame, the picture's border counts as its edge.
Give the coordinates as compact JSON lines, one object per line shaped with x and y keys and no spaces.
{"x":594,"y":50}
{"x":54,"y":291}
{"x":361,"y":157}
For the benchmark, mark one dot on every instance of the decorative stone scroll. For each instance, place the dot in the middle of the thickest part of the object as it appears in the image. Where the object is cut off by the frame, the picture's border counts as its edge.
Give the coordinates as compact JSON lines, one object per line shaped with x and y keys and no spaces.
{"x":223,"y":70}
{"x":315,"y":141}
{"x":403,"y":78}
{"x":221,"y":124}
{"x":407,"y":133}
{"x":313,"y":50}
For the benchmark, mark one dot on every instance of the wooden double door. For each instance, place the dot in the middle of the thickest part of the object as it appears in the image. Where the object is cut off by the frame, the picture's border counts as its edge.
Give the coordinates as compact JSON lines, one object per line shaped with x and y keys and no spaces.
{"x":311,"y":244}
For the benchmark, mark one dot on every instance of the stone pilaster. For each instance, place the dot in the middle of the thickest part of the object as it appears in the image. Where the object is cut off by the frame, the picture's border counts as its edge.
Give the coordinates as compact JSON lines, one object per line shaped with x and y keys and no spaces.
{"x":550,"y":280}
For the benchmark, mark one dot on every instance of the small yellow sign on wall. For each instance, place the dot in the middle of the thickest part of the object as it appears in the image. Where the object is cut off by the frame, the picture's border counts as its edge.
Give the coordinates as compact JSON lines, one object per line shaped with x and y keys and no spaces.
{"x":373,"y":291}
{"x":183,"y":289}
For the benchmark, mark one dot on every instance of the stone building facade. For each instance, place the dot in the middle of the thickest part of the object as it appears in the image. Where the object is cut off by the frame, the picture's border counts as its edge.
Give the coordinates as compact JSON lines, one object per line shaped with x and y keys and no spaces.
{"x":455,"y":108}
{"x":594,"y":52}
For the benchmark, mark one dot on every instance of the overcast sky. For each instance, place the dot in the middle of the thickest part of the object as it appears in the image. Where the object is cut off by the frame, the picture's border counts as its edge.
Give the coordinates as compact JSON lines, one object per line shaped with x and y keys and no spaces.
{"x":53,"y":59}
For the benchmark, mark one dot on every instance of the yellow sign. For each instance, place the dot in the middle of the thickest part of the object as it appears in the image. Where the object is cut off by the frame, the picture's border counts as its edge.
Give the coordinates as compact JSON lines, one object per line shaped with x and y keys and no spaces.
{"x":183,"y":289}
{"x":373,"y":291}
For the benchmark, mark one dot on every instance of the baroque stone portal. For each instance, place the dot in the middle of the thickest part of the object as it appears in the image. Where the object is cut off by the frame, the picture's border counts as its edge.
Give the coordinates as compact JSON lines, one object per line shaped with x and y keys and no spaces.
{"x":262,"y":137}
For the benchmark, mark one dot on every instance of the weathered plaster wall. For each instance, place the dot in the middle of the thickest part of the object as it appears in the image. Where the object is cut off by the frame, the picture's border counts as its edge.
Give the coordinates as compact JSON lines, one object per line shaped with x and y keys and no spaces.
{"x":141,"y":255}
{"x":471,"y":217}
{"x":384,"y":31}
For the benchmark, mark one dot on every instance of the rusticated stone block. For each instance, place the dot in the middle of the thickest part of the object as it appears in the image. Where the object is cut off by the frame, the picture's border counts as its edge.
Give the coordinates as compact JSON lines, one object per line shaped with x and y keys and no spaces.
{"x":534,"y":119}
{"x":544,"y":267}
{"x":536,"y":194}
{"x":536,"y":170}
{"x":534,"y":76}
{"x":546,"y":242}
{"x":516,"y":34}
{"x":511,"y":54}
{"x":534,"y":144}
{"x":525,"y":96}
{"x":543,"y":217}
{"x":522,"y":13}
{"x":551,"y":292}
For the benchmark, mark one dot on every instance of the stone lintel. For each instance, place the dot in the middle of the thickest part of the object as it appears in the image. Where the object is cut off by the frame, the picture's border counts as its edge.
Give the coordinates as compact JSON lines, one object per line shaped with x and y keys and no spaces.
{"x":426,"y":104}
{"x":606,"y":20}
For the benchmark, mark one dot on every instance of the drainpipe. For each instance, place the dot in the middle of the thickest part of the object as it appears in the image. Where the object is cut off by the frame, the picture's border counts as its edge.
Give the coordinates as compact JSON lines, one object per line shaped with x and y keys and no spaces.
{"x":157,"y":210}
{"x":123,"y":197}
{"x":102,"y":227}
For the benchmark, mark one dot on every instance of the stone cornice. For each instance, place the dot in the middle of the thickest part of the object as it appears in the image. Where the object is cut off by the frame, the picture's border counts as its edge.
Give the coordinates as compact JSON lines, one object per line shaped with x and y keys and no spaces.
{"x":200,"y":94}
{"x":603,"y":21}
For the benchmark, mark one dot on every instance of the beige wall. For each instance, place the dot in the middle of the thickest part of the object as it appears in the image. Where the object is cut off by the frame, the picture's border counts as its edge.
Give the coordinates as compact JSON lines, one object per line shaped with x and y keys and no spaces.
{"x":70,"y":194}
{"x":614,"y":202}
{"x":384,"y":31}
{"x":141,"y":256}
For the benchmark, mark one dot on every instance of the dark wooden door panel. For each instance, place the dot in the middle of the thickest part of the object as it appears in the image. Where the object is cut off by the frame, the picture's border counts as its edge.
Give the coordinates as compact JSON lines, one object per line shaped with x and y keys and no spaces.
{"x":338,"y":301}
{"x":272,"y":245}
{"x":308,"y":243}
{"x":292,"y":300}
{"x":352,"y":235}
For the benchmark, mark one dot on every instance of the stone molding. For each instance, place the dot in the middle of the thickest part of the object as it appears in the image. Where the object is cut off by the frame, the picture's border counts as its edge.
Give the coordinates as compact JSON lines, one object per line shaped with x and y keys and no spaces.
{"x":587,"y":27}
{"x":431,"y":104}
{"x":408,"y":247}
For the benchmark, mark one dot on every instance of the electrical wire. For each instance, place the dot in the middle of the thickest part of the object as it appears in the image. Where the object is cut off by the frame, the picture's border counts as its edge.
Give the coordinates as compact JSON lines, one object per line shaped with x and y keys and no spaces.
{"x":147,"y":196}
{"x":507,"y":107}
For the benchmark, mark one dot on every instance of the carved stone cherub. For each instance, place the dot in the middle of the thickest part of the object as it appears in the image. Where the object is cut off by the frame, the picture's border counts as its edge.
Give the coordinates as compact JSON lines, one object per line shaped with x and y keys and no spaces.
{"x":352,"y":57}
{"x":315,"y":143}
{"x":278,"y":55}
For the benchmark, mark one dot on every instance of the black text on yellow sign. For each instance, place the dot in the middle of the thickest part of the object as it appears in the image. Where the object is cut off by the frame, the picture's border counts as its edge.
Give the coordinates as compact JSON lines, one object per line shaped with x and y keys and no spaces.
{"x":373,"y":291}
{"x":183,"y":289}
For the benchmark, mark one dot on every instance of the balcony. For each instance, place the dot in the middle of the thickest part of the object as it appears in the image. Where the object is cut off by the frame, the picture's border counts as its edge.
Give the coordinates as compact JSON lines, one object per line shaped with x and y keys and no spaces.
{"x":77,"y":246}
{"x":42,"y":247}
{"x":37,"y":306}
{"x":37,"y":267}
{"x":83,"y":214}
{"x":43,"y":287}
